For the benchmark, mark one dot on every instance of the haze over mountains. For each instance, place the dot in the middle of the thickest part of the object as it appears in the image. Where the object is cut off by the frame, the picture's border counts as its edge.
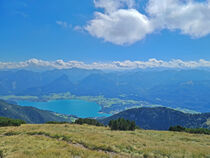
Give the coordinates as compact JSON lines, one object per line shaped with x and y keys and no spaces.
{"x":173,"y":88}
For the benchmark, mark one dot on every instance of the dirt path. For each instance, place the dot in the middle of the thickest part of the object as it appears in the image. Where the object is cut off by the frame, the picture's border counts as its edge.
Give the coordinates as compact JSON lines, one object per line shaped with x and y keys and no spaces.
{"x":112,"y":154}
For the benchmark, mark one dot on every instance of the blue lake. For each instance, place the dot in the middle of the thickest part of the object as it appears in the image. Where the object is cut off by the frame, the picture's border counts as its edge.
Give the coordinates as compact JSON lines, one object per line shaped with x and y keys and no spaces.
{"x":79,"y":108}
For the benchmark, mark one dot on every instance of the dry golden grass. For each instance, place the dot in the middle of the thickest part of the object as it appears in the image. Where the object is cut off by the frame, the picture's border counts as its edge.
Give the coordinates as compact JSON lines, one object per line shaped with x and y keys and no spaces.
{"x":83,"y":141}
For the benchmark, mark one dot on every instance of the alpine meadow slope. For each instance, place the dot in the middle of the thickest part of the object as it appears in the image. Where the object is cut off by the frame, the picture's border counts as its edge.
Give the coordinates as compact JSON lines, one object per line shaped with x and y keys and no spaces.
{"x":85,"y":141}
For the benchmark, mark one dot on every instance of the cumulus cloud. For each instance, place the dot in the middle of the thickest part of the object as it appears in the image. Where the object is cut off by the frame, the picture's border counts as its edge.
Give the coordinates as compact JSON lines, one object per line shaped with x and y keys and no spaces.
{"x":115,"y":65}
{"x":120,"y":27}
{"x":121,"y":23}
{"x":189,"y":16}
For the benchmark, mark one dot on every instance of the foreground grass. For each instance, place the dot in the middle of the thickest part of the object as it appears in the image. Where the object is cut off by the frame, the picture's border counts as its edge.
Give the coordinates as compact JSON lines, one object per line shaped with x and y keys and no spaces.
{"x":83,"y":141}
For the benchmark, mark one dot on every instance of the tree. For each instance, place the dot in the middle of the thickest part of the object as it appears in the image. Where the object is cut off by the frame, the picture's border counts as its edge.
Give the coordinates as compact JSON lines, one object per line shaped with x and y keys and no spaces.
{"x":132,"y":126}
{"x":122,"y":124}
{"x":88,"y":121}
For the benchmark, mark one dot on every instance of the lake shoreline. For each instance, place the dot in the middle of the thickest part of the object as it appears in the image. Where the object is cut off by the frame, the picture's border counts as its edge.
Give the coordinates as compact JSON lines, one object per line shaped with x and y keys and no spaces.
{"x":79,"y":108}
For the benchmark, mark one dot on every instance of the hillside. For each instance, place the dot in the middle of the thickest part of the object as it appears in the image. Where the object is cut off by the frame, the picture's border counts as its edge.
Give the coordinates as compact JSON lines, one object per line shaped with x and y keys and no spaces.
{"x":83,"y":141}
{"x":161,"y":118}
{"x":29,"y":114}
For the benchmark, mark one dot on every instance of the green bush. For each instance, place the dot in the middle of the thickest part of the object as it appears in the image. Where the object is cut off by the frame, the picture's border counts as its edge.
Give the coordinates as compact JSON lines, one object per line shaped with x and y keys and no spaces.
{"x":1,"y":154}
{"x":190,"y":130}
{"x":177,"y":128}
{"x":122,"y":124}
{"x":198,"y":130}
{"x":55,"y":122}
{"x":88,"y":121}
{"x":10,"y":122}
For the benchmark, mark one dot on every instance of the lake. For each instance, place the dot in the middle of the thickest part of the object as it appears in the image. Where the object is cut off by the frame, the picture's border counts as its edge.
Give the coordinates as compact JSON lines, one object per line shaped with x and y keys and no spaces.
{"x":79,"y":108}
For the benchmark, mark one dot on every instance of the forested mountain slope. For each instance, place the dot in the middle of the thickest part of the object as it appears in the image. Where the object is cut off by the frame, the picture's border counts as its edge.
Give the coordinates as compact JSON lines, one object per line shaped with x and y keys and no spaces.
{"x":29,"y":114}
{"x":162,"y":118}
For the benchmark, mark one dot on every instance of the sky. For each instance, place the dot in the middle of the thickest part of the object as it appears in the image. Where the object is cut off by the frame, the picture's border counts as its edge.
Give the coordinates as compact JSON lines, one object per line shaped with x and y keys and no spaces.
{"x":104,"y":31}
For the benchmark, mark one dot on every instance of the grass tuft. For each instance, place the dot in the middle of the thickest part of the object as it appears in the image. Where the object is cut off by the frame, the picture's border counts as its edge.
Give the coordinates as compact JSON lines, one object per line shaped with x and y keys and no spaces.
{"x":1,"y":154}
{"x":11,"y":133}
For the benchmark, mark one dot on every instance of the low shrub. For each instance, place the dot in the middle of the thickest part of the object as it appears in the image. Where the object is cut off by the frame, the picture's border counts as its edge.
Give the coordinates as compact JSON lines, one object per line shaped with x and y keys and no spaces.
{"x":11,"y":133}
{"x":1,"y":154}
{"x":190,"y":130}
{"x":177,"y":128}
{"x":198,"y":130}
{"x":55,"y":122}
{"x":10,"y":122}
{"x":38,"y":133}
{"x":88,"y":121}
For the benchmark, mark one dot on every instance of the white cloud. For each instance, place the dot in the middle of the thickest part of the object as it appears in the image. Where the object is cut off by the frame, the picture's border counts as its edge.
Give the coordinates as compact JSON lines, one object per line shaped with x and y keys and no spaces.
{"x":121,"y":23}
{"x":189,"y":16}
{"x":124,"y":26}
{"x":113,"y":5}
{"x":78,"y":28}
{"x":63,"y":24}
{"x":115,"y":65}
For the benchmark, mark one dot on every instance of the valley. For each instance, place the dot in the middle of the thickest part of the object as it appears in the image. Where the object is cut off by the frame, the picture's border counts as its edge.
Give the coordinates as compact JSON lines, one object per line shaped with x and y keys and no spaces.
{"x":186,"y":90}
{"x":156,"y":118}
{"x":108,"y":105}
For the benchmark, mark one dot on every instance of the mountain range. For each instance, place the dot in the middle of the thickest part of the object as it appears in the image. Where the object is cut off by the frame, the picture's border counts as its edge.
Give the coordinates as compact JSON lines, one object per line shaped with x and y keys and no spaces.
{"x":187,"y":89}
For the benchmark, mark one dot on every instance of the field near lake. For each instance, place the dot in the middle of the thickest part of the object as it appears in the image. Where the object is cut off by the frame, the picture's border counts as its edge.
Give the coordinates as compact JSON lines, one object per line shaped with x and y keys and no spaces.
{"x":83,"y":141}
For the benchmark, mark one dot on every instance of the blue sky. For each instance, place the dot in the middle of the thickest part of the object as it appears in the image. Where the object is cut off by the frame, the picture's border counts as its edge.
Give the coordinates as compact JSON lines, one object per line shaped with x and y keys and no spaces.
{"x":30,"y":29}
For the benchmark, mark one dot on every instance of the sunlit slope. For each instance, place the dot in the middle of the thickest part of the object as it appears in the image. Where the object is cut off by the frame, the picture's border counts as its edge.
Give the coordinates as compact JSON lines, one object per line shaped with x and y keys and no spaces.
{"x":30,"y":114}
{"x":64,"y":141}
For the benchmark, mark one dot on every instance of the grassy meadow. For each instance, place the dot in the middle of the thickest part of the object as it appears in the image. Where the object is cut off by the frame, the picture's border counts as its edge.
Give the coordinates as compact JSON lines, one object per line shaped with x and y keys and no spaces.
{"x":84,"y":141}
